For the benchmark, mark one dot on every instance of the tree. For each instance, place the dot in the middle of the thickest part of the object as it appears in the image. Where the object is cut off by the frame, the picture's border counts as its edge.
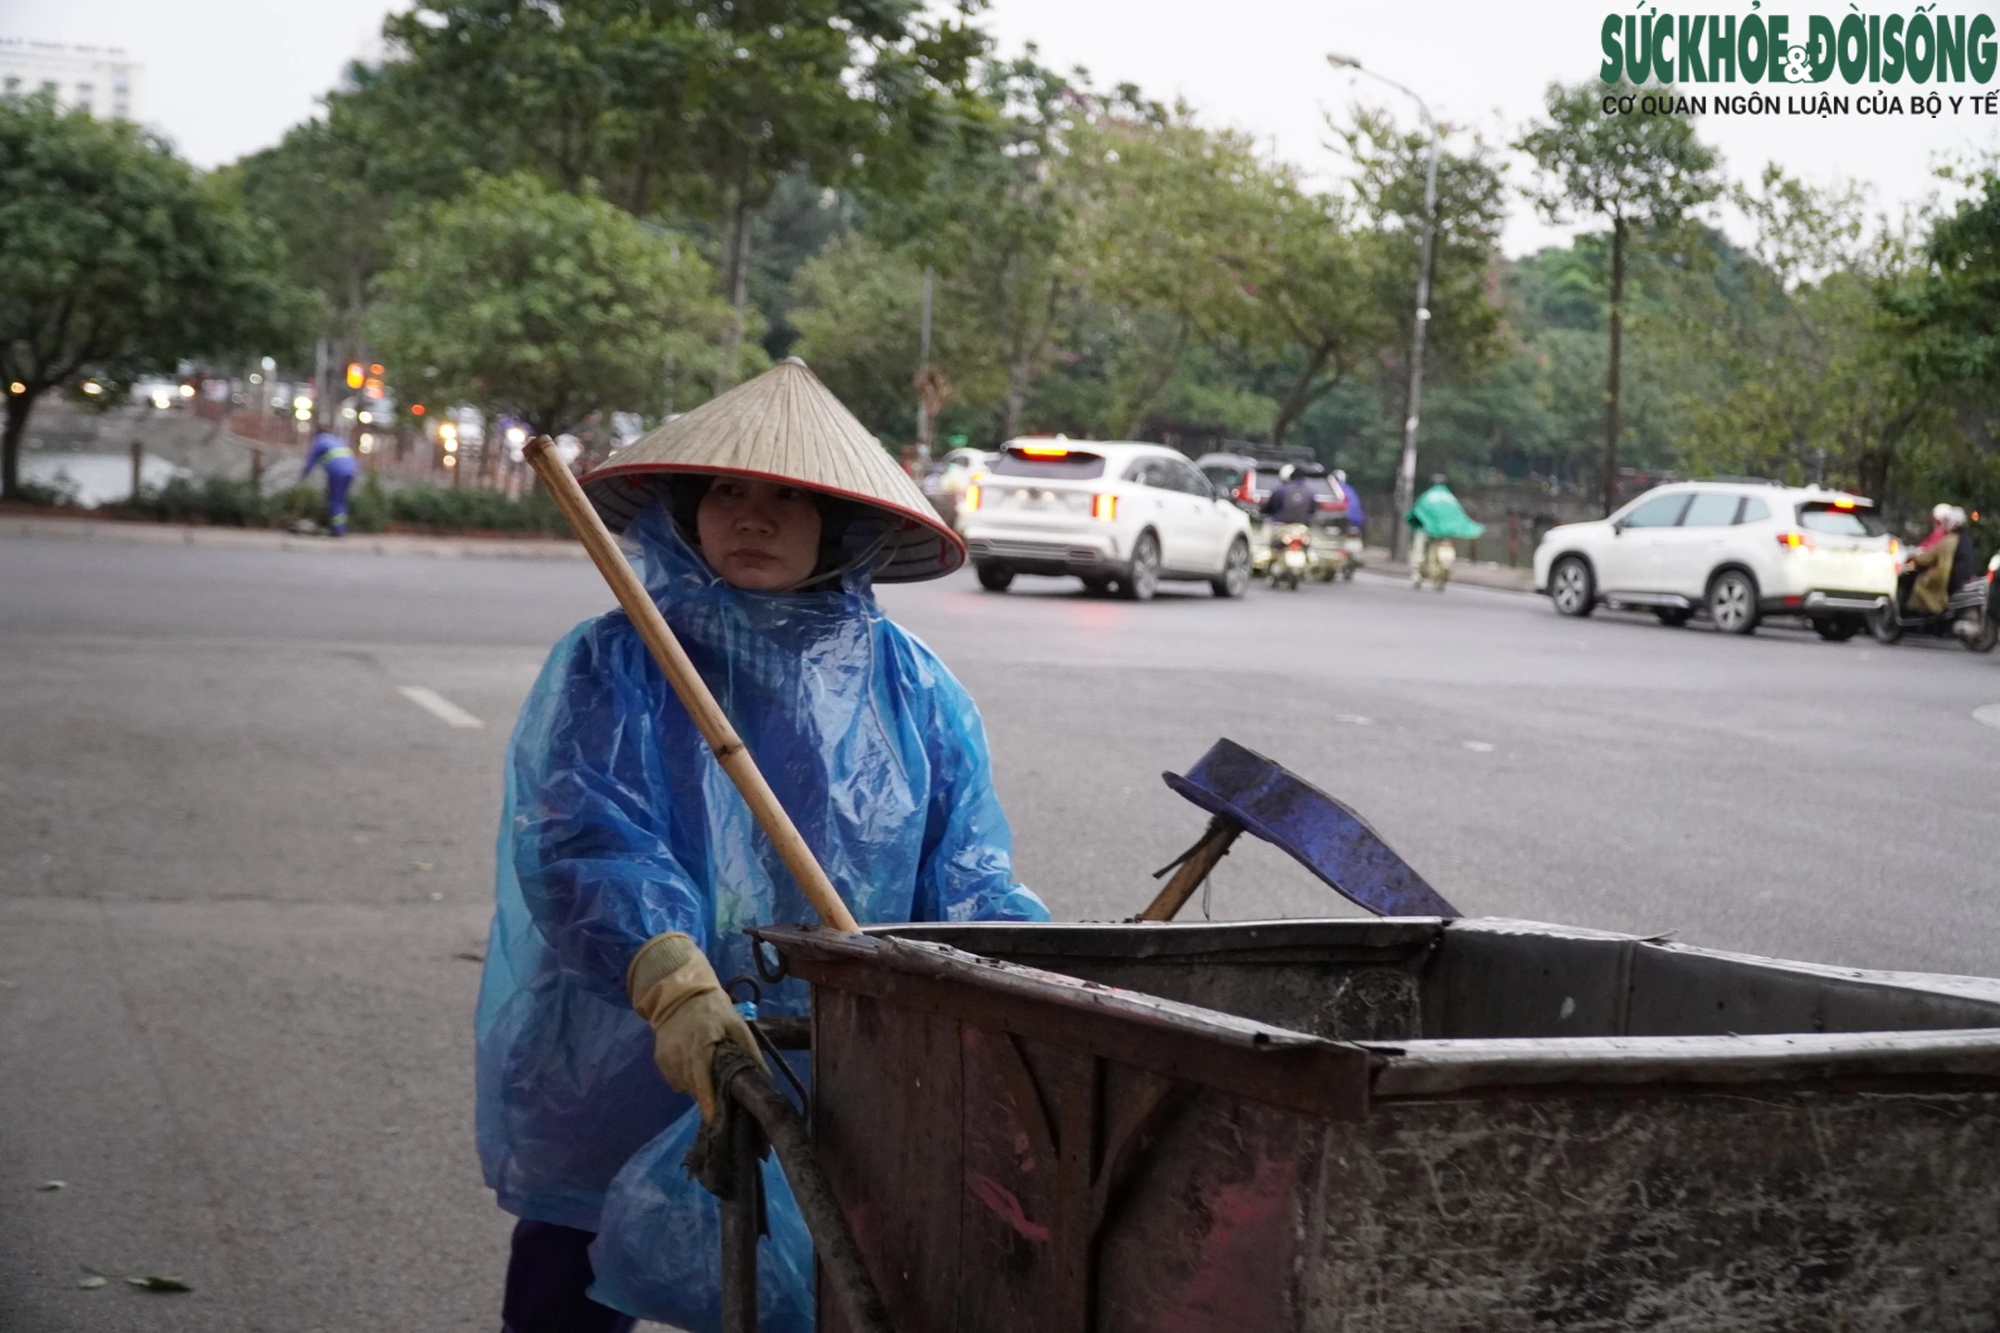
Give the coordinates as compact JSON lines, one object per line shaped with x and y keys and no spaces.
{"x":1947,"y":320}
{"x":318,"y":190}
{"x":1816,"y":383}
{"x":1334,"y":274}
{"x":858,"y":315}
{"x":1166,"y":205}
{"x":699,"y":107}
{"x":1952,"y":304}
{"x":545,"y":306}
{"x":996,"y":218}
{"x":1308,"y":277}
{"x":116,"y":258}
{"x":1632,"y":170}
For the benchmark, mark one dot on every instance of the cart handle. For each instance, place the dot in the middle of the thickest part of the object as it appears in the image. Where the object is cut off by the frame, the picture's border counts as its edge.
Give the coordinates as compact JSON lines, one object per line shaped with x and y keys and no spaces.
{"x":751,"y":1089}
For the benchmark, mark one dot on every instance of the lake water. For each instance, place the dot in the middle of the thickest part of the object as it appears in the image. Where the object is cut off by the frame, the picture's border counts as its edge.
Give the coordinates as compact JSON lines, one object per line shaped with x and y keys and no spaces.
{"x":98,"y":479}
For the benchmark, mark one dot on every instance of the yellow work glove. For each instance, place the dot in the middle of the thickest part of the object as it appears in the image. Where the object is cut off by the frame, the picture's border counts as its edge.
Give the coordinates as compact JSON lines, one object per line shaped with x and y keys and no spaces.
{"x":674,"y":989}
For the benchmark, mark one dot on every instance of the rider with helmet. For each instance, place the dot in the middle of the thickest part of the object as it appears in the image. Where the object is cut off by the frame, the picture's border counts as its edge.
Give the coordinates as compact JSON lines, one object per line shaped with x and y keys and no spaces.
{"x":1932,"y":563}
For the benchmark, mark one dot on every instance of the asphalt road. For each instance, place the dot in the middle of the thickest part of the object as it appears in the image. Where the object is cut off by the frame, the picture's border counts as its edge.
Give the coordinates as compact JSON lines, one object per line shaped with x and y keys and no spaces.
{"x":244,"y":877}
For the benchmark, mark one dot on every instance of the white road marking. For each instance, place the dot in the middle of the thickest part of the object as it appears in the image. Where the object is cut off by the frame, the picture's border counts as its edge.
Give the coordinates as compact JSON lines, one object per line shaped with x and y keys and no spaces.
{"x":439,"y":707}
{"x":1479,"y":747}
{"x":1353,"y":718}
{"x":1990,"y":715}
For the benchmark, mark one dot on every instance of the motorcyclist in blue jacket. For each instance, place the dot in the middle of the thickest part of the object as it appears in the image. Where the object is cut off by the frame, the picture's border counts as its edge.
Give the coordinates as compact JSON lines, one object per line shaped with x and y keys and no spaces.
{"x":628,"y":865}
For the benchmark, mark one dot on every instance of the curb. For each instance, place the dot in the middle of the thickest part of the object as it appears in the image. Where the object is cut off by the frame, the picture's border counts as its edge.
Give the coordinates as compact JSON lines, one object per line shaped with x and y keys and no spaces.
{"x":1480,"y":574}
{"x":255,"y":539}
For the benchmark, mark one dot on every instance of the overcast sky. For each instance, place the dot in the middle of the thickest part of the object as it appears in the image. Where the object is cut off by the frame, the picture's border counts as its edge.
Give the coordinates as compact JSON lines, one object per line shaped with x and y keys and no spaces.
{"x":226,"y":77}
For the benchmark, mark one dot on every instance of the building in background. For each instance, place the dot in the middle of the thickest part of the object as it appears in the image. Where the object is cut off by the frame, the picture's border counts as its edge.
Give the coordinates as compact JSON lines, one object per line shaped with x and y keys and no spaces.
{"x":98,"y":79}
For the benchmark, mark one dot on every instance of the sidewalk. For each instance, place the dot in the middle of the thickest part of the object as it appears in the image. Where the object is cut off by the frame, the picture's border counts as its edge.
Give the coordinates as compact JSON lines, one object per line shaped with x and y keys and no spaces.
{"x":1477,"y":574}
{"x":264,"y":539}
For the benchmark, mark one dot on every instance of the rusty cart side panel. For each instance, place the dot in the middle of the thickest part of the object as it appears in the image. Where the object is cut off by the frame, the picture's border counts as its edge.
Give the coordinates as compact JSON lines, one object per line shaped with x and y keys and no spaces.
{"x":1029,"y":1148}
{"x":1770,"y":1210}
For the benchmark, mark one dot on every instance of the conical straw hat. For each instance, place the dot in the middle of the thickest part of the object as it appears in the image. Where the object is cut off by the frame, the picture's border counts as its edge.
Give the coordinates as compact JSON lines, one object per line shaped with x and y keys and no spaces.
{"x":786,"y":426}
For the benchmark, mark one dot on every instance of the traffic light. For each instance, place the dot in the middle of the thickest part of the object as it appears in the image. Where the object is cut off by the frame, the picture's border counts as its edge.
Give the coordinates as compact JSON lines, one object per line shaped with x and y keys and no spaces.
{"x":356,"y":375}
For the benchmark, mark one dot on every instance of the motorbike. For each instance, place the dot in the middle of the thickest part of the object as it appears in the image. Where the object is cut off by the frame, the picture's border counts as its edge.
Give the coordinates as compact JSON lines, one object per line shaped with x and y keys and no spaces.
{"x":1972,"y":616}
{"x":1436,"y":522}
{"x":1339,"y":549}
{"x":1432,"y":563}
{"x":1293,"y":559}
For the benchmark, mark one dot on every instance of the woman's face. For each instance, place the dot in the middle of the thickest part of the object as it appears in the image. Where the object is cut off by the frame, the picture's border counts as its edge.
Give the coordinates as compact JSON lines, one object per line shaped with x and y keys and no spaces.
{"x":760,"y":535}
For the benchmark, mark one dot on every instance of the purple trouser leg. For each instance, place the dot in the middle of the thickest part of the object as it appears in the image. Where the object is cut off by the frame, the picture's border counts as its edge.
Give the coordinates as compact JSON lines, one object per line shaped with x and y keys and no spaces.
{"x":547,"y":1275}
{"x":336,"y":500}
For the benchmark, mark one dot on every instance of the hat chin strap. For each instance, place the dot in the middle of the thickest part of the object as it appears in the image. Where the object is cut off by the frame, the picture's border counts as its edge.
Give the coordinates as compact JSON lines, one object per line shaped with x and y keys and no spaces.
{"x":866,"y":557}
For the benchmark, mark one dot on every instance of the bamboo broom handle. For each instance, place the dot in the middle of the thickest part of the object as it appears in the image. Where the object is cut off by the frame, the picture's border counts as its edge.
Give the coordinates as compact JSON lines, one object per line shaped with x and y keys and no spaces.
{"x":688,"y":685}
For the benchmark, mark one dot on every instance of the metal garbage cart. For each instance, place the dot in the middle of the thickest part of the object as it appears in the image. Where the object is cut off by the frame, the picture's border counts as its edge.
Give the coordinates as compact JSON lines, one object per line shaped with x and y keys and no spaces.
{"x":1399,"y":1124}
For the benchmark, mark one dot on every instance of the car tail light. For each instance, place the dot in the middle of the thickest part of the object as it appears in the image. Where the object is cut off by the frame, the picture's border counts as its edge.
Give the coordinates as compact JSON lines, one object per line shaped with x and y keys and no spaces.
{"x":971,"y":498}
{"x":1043,"y":451}
{"x":1104,"y":507}
{"x":1794,"y":541}
{"x":1895,"y":546}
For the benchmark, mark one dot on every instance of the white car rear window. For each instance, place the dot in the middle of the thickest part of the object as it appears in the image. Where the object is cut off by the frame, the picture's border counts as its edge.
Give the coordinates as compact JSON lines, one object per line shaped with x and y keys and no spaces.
{"x":1049,"y":463}
{"x":1840,"y":520}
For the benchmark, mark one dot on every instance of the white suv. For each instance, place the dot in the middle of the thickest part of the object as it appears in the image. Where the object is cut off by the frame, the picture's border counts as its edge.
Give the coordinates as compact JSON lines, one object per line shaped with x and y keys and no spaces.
{"x":1738,"y":550}
{"x":1110,"y":513}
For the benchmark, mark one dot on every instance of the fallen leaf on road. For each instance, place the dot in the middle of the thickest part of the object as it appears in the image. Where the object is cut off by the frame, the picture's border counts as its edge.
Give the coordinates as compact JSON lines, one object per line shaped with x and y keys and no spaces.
{"x":48,"y":1185}
{"x":154,"y":1282}
{"x":471,"y":957}
{"x":91,"y":1283}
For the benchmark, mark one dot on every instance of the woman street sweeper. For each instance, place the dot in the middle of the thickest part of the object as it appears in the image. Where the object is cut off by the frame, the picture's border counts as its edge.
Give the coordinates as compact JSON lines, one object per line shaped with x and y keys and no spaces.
{"x":629,"y":866}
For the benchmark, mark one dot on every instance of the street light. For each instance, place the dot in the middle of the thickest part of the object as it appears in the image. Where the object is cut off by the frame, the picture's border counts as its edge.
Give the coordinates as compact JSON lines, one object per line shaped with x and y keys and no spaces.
{"x":1406,"y":473}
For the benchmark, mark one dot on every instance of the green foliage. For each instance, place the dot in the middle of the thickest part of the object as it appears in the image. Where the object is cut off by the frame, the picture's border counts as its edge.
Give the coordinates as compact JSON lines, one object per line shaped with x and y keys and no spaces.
{"x":225,"y":502}
{"x":1624,"y":169}
{"x":1952,"y":305}
{"x":859,"y":316}
{"x":545,"y":306}
{"x":447,"y":509}
{"x":115,"y":259}
{"x":1648,"y":171}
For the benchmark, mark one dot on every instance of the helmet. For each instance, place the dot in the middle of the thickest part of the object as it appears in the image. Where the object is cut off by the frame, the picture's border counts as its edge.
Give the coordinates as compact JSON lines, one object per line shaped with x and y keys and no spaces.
{"x":1941,"y":513}
{"x":785,"y":425}
{"x":1958,"y":517}
{"x":1285,"y":472}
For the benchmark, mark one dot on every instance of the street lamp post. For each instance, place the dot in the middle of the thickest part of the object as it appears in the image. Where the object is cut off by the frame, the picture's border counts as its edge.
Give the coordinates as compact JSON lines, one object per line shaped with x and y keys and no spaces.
{"x":1406,"y":471}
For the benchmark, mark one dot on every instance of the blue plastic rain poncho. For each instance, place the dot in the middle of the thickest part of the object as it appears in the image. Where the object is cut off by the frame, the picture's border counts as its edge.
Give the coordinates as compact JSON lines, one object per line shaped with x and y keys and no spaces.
{"x":619,"y":825}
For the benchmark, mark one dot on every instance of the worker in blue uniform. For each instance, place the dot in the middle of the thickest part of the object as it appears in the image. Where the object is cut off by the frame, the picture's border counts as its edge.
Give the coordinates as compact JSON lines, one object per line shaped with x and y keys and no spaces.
{"x":331,"y":452}
{"x":629,"y":867}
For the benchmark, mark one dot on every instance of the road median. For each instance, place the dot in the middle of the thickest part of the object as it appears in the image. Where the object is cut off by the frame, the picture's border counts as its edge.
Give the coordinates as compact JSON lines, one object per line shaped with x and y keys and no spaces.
{"x":377,"y":543}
